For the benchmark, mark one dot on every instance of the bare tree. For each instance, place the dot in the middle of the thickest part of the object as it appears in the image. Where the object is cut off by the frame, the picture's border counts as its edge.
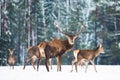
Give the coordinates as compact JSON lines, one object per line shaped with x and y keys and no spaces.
{"x":19,"y":38}
{"x":0,"y":17}
{"x":59,"y":15}
{"x":43,"y":19}
{"x":28,"y":22}
{"x":67,"y":10}
{"x":4,"y":17}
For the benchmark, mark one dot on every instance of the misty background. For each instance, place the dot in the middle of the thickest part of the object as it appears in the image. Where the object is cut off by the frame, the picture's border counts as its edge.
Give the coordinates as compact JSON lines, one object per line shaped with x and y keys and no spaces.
{"x":25,"y":23}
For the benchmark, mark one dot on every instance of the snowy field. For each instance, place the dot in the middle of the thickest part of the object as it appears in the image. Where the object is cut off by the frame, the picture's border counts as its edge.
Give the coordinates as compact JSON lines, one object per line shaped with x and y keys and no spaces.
{"x":104,"y":73}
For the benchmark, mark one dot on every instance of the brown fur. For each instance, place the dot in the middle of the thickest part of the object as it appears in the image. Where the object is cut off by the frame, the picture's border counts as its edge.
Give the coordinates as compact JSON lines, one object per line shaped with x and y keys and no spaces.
{"x":86,"y":56}
{"x":56,"y":48}
{"x":11,"y":58}
{"x":36,"y":52}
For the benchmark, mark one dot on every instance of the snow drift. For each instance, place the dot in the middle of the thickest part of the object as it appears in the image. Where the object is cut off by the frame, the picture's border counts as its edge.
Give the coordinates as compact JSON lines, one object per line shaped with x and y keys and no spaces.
{"x":105,"y":72}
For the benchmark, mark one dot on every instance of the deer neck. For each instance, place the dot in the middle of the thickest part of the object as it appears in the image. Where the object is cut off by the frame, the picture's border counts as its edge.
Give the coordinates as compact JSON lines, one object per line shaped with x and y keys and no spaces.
{"x":12,"y":56}
{"x":68,"y":46}
{"x":97,"y":52}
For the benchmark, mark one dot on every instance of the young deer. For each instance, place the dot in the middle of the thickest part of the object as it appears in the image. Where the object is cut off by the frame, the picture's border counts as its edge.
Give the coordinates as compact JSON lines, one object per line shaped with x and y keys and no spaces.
{"x":57,"y":47}
{"x":86,"y":56}
{"x":11,"y":58}
{"x":36,"y":52}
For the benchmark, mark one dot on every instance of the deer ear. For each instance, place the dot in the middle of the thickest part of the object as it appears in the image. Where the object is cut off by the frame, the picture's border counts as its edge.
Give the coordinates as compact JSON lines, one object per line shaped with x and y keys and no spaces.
{"x":8,"y":49}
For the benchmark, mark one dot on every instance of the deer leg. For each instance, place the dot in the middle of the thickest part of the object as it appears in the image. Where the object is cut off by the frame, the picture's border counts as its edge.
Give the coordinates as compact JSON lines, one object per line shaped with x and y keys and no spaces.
{"x":46,"y":64}
{"x":12,"y":66}
{"x":76,"y":67}
{"x":50,"y":62}
{"x":73,"y":62}
{"x":26,"y":61}
{"x":82,"y":62}
{"x":86,"y":64}
{"x":72,"y":65}
{"x":58,"y":63}
{"x":39,"y":61}
{"x":92,"y":61}
{"x":33,"y":61}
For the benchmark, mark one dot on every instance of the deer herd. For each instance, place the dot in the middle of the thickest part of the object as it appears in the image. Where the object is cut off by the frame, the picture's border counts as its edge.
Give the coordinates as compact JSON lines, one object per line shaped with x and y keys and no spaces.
{"x":56,"y":48}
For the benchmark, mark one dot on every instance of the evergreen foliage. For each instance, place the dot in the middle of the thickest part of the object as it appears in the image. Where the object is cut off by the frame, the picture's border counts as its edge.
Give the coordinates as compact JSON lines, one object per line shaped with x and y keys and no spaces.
{"x":102,"y":18}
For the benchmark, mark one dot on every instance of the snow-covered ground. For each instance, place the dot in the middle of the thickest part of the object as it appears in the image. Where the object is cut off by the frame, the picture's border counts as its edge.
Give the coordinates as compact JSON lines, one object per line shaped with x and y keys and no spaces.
{"x":105,"y":72}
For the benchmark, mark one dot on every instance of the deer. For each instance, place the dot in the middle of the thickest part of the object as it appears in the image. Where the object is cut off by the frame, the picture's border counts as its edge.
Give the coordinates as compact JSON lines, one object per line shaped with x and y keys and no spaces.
{"x":11,"y":58}
{"x":86,"y":56}
{"x":56,"y":48}
{"x":34,"y":53}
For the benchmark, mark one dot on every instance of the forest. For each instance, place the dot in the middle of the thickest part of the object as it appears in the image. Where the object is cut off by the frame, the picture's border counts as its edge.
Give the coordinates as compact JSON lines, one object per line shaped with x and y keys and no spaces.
{"x":25,"y":23}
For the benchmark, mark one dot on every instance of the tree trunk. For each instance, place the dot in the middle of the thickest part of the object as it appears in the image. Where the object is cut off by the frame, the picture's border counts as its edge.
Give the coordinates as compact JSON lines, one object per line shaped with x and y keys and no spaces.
{"x":0,"y":16}
{"x":4,"y":17}
{"x":96,"y":12}
{"x":59,"y":15}
{"x":35,"y":34}
{"x":19,"y":35}
{"x":67,"y":10}
{"x":33,"y":37}
{"x":78,"y":10}
{"x":43,"y":19}
{"x":34,"y":31}
{"x":28,"y":22}
{"x":23,"y":53}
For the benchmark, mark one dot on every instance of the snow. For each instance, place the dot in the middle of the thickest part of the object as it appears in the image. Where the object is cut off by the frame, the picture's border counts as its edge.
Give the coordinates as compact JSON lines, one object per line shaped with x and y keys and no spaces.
{"x":105,"y":72}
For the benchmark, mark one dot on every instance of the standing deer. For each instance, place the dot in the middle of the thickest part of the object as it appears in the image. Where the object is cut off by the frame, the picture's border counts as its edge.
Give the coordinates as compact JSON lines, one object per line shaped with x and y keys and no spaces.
{"x":11,"y":58}
{"x":36,"y":52}
{"x":86,"y":56}
{"x":57,"y":47}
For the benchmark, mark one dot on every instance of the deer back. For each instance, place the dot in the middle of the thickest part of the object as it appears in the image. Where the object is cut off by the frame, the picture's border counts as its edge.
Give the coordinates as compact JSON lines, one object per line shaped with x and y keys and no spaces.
{"x":41,"y":47}
{"x":34,"y":51}
{"x":54,"y":47}
{"x":91,"y":54}
{"x":57,"y":43}
{"x":87,"y":54}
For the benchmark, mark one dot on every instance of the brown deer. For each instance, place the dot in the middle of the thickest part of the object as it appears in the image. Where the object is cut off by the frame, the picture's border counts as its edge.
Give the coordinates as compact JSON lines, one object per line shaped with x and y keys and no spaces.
{"x":11,"y":58}
{"x":86,"y":56}
{"x":42,"y":53}
{"x":57,"y":47}
{"x":34,"y":53}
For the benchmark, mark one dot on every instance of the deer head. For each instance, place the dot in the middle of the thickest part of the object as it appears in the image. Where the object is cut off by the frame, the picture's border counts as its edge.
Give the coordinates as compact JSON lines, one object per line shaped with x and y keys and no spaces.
{"x":11,"y":51}
{"x":70,"y":38}
{"x":101,"y":49}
